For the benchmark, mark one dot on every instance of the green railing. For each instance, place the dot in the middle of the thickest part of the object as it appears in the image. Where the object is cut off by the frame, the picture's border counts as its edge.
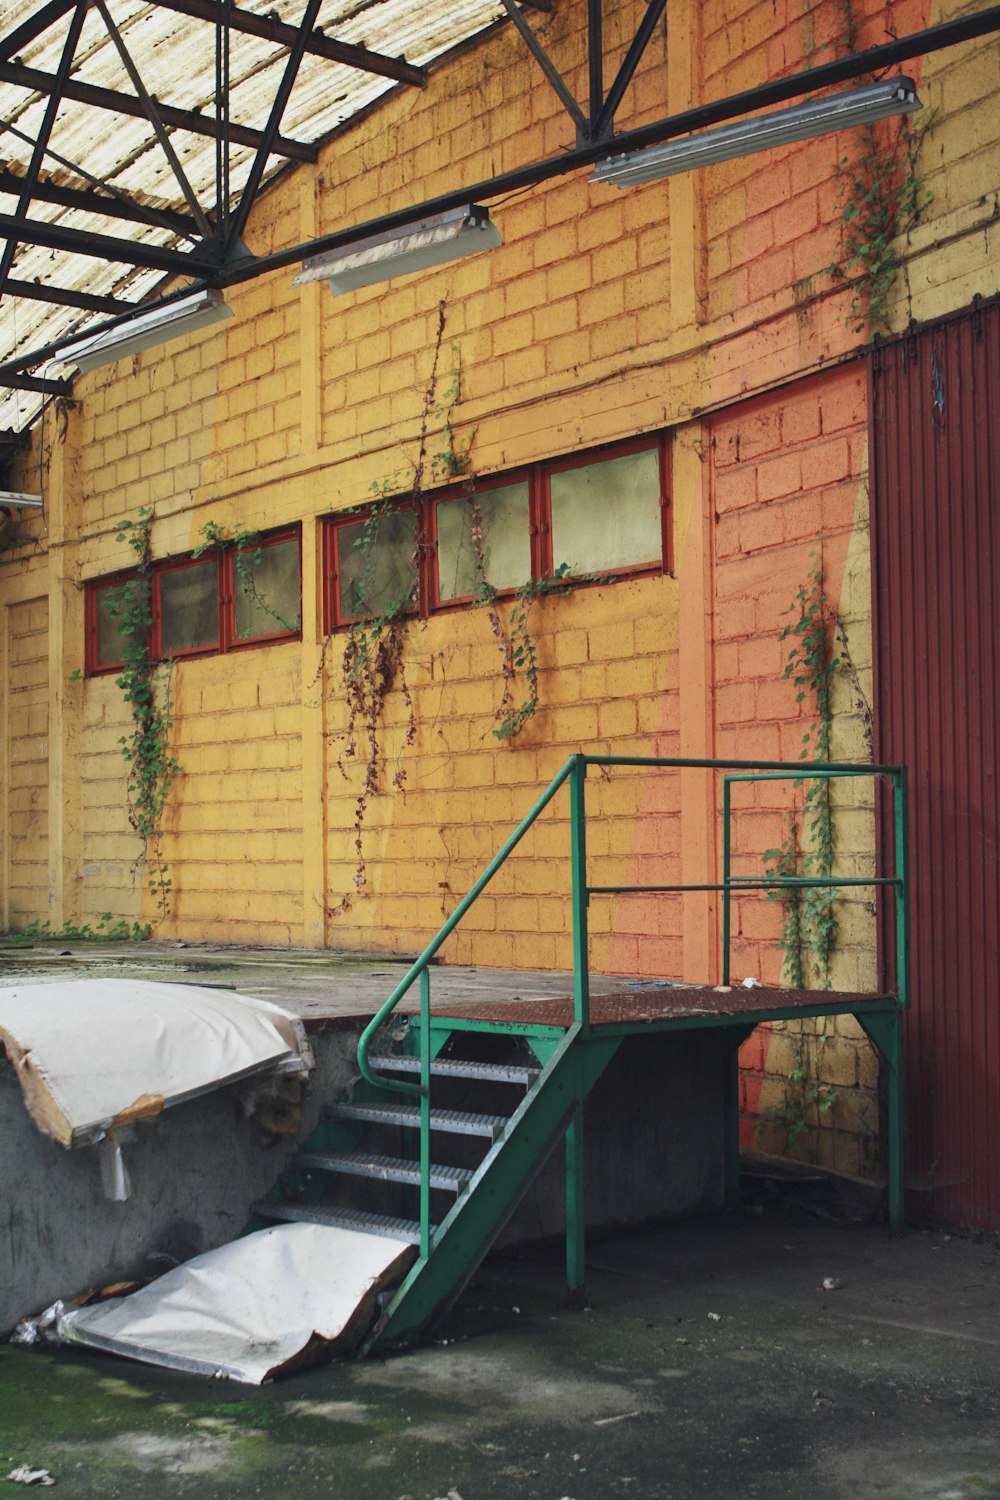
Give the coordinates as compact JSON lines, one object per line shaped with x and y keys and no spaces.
{"x":575,"y":773}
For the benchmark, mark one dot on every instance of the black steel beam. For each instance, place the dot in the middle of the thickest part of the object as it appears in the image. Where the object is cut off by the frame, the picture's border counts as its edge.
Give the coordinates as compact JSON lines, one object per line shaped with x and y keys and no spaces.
{"x":319,"y":44}
{"x":606,"y":119}
{"x":103,"y":246}
{"x":546,"y":64}
{"x":874,"y":59}
{"x":17,"y":382}
{"x":35,"y":291}
{"x":296,"y":52}
{"x":90,"y":202}
{"x":23,"y":35}
{"x":595,"y":61}
{"x":127,"y":104}
{"x":45,"y":130}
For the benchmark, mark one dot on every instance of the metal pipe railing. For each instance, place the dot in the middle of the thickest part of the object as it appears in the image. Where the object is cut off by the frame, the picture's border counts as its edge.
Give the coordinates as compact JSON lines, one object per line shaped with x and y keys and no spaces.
{"x":575,"y":772}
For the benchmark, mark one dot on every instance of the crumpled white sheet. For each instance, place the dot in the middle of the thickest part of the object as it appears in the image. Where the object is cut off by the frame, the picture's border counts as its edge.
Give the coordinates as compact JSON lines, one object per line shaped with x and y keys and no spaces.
{"x":92,"y":1055}
{"x":283,"y":1296}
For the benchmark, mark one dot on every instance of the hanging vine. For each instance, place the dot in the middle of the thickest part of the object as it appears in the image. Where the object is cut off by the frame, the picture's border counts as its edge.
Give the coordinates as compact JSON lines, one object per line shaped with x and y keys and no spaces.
{"x":248,"y":555}
{"x":881,"y":198}
{"x":145,"y":685}
{"x":809,"y":917}
{"x":373,"y":661}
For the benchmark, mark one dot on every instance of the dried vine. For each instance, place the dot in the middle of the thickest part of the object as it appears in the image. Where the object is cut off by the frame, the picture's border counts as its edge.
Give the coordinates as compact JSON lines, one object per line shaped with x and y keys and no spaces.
{"x":373,"y":662}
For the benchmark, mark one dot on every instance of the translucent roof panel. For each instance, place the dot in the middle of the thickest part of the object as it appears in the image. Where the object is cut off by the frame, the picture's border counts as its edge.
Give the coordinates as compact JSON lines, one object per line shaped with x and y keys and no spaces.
{"x":121,"y":180}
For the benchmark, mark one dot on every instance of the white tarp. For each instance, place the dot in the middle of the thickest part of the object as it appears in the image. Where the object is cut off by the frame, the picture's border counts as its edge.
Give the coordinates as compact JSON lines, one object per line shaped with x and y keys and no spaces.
{"x":92,"y":1055}
{"x":279,"y":1297}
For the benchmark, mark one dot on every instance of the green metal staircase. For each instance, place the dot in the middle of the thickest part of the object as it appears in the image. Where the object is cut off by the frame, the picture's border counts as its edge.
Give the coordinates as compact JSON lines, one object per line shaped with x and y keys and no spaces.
{"x":490,"y":1155}
{"x":442,"y":1136}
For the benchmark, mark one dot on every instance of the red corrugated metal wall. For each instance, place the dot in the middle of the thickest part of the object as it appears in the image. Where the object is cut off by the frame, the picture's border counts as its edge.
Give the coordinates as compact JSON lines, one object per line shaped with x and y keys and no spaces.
{"x":935,"y":458}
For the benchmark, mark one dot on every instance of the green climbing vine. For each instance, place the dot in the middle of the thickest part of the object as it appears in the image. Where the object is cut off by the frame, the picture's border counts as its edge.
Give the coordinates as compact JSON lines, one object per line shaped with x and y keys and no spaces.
{"x":881,"y":198}
{"x":146,"y":688}
{"x":808,"y":915}
{"x":809,"y":926}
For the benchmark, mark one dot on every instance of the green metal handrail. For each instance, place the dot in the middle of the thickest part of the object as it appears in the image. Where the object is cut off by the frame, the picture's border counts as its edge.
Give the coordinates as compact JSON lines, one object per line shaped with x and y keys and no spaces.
{"x":575,"y":772}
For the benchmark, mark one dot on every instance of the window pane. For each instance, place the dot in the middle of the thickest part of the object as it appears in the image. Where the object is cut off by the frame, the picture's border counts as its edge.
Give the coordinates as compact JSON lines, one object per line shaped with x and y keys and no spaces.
{"x":112,"y":641}
{"x":189,"y":607}
{"x":379,"y":578}
{"x":505,"y":542}
{"x":607,"y":515}
{"x":266,"y":594}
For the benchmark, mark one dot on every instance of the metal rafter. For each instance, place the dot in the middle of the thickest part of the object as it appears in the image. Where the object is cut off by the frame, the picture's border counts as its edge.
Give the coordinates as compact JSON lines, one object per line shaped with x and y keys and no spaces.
{"x":547,"y":66}
{"x":603,"y":125}
{"x":237,"y":222}
{"x":49,"y":119}
{"x":104,"y":246}
{"x":318,"y":44}
{"x":153,"y":116}
{"x":26,"y":33}
{"x":91,"y":202}
{"x":37,"y":383}
{"x":39,"y":82}
{"x":34,"y":291}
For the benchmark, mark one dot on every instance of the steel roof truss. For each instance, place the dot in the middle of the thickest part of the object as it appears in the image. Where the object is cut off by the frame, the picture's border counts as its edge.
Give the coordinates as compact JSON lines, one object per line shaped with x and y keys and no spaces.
{"x":88,"y":202}
{"x":104,"y":246}
{"x":35,"y":291}
{"x":49,"y":119}
{"x":153,"y":116}
{"x":296,"y":53}
{"x":602,"y":126}
{"x":38,"y":82}
{"x":317,"y":43}
{"x":547,"y":66}
{"x":26,"y":33}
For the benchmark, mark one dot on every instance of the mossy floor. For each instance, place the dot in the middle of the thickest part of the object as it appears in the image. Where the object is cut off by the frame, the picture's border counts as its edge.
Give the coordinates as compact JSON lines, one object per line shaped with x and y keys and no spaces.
{"x":712,"y":1362}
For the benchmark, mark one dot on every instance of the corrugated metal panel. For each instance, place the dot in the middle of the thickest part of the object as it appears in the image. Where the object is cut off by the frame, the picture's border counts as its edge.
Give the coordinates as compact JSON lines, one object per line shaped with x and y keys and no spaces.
{"x":176,"y":60}
{"x":935,"y":442}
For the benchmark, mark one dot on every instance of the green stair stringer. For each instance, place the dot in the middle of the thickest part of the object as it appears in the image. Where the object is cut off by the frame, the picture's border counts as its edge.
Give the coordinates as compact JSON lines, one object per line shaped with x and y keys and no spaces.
{"x":506,"y":1172}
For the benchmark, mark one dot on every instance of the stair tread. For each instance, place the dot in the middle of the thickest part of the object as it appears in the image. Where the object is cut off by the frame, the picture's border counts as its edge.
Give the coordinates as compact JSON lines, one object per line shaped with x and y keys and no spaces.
{"x":384,"y":1168}
{"x":450,"y":1068}
{"x":345,"y":1218}
{"x":460,"y":1122}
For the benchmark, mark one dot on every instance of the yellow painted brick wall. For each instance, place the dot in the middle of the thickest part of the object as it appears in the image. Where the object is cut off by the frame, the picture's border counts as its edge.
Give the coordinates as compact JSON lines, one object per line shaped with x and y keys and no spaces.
{"x":26,"y":733}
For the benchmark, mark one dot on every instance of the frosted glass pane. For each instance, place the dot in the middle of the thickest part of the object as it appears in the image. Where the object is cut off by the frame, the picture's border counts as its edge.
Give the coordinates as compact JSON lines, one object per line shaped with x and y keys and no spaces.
{"x":506,"y":542}
{"x":607,"y":515}
{"x":269,"y":600}
{"x":382,"y":578}
{"x":189,"y":607}
{"x":112,"y":640}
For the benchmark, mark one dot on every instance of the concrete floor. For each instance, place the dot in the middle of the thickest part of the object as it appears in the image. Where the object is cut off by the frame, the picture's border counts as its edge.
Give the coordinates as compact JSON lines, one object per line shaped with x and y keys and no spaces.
{"x":712,"y":1362}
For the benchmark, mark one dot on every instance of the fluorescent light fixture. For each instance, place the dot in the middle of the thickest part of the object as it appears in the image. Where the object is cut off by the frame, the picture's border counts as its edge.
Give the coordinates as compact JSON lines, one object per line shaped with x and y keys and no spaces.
{"x":396,"y":252}
{"x":18,"y":501}
{"x":892,"y":96}
{"x":156,"y":326}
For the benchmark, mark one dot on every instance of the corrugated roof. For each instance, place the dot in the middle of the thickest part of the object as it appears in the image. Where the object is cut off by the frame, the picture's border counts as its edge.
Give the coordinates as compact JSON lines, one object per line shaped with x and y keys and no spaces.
{"x":96,"y":149}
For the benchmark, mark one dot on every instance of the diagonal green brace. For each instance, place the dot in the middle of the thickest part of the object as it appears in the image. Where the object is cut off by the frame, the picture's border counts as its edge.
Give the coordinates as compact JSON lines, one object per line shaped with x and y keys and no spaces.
{"x":507,"y":1171}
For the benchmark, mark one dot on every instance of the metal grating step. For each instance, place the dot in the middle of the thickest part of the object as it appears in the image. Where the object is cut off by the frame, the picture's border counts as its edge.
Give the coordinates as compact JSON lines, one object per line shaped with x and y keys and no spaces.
{"x":341,"y":1218}
{"x":454,"y":1121}
{"x":447,"y":1068}
{"x":383,"y":1168}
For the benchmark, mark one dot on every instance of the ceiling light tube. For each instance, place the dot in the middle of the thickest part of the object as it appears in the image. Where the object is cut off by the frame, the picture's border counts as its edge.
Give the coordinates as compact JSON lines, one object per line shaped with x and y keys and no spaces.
{"x":397,"y":252}
{"x":892,"y":96}
{"x":16,"y":499}
{"x":158,"y":325}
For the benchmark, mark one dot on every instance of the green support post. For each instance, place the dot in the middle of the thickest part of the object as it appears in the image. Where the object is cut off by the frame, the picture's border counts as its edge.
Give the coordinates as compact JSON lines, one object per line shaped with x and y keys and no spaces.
{"x":727,"y":915}
{"x":425,"y":1113}
{"x":578,"y":856}
{"x":731,"y":1040}
{"x":576,"y":1295}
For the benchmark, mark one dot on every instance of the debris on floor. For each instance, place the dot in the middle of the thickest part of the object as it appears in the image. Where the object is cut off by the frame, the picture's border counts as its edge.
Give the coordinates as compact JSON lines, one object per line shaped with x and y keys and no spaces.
{"x":274,"y":1300}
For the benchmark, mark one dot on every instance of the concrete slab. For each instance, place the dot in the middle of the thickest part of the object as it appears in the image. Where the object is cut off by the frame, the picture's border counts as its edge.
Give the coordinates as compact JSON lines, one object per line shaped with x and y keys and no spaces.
{"x":320,"y":986}
{"x":711,"y":1363}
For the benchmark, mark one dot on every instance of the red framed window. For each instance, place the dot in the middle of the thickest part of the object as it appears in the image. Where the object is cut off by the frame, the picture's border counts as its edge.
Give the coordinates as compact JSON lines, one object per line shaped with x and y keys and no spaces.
{"x":597,"y":515}
{"x":225,"y":599}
